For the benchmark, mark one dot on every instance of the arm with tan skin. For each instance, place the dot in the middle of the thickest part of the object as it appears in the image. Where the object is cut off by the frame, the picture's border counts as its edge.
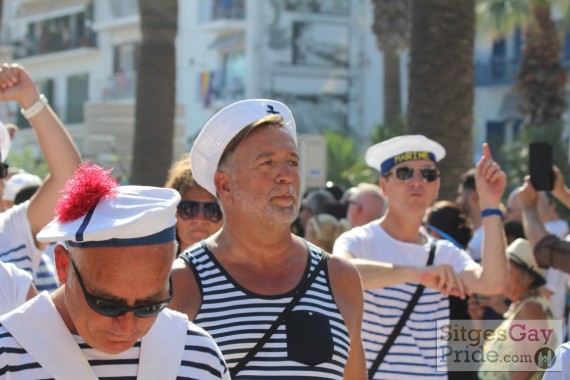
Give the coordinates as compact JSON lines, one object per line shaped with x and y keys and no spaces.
{"x":32,"y":292}
{"x":560,"y":190}
{"x":59,"y":150}
{"x":549,"y":250}
{"x":347,"y":291}
{"x":490,"y":277}
{"x":531,"y":311}
{"x":376,"y":275}
{"x":187,"y":297}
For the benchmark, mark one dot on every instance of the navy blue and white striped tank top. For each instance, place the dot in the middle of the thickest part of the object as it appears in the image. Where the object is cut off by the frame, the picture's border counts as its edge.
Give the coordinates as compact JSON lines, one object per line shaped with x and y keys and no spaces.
{"x":312,"y":344}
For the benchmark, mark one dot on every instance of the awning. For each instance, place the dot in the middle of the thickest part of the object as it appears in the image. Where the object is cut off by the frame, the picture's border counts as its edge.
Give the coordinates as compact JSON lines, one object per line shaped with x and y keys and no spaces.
{"x":43,"y":10}
{"x":228,"y":42}
{"x":510,"y":107}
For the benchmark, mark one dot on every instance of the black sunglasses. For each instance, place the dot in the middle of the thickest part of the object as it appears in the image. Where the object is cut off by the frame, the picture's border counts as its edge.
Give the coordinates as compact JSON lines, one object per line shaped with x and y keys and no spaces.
{"x":3,"y":170}
{"x":190,"y":210}
{"x":112,"y":309}
{"x":406,"y":173}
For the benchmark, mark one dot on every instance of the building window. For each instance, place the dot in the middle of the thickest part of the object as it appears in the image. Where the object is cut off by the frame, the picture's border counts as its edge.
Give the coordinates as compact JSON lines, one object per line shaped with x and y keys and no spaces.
{"x":126,"y":57}
{"x":77,"y":95}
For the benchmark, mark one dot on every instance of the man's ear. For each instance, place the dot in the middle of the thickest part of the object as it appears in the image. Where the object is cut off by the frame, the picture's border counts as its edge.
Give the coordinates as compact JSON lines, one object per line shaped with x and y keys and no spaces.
{"x":382,"y":184}
{"x":222,"y":182}
{"x":62,"y":261}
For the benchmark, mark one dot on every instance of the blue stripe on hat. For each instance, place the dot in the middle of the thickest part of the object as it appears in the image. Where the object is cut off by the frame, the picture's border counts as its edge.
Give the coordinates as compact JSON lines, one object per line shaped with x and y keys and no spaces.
{"x":165,"y":236}
{"x":84,"y":224}
{"x":403,"y":157}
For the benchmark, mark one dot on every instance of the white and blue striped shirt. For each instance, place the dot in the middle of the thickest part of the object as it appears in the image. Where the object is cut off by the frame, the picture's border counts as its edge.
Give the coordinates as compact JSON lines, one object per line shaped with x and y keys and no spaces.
{"x":238,"y":318}
{"x":413,"y":354}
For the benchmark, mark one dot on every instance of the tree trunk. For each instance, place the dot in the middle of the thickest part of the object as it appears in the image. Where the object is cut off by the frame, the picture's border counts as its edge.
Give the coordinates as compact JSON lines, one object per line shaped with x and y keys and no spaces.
{"x":392,"y":93}
{"x":541,"y":79}
{"x":441,"y":82}
{"x":156,"y":93}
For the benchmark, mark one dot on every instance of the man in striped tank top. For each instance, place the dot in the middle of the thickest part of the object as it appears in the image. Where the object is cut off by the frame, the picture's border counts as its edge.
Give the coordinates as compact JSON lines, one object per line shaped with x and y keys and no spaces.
{"x":109,"y":318}
{"x":391,"y":254}
{"x":236,"y":283}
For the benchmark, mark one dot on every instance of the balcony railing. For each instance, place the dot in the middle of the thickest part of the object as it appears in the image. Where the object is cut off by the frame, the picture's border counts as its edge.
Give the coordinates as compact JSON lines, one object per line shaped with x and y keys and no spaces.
{"x":120,"y":86}
{"x":496,"y":70}
{"x":215,"y":10}
{"x":51,"y":43}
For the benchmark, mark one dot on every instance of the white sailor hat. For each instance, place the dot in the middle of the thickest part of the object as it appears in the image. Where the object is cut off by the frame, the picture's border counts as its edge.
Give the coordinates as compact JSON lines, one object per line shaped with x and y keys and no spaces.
{"x":223,"y":127}
{"x":17,"y":182}
{"x":96,"y":212}
{"x":383,"y":156}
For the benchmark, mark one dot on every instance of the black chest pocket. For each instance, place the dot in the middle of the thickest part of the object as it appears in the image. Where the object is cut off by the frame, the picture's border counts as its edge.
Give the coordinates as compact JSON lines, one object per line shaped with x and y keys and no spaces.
{"x":309,"y":338}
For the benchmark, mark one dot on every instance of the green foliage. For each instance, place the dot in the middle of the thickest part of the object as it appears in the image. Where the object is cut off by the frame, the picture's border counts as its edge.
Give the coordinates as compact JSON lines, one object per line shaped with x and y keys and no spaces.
{"x":345,"y":159}
{"x":26,"y":160}
{"x":385,"y":132}
{"x":516,"y":154}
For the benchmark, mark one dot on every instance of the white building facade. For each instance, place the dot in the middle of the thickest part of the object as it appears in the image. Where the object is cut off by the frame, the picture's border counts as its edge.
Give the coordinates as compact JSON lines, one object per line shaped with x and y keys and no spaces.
{"x":318,"y":57}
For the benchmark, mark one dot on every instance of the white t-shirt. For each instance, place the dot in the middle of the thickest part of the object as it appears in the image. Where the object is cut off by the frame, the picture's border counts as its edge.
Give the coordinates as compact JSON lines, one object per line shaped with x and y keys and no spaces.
{"x":475,"y":246}
{"x":413,"y":354}
{"x":17,"y":245}
{"x":15,"y":284}
{"x":562,"y":357}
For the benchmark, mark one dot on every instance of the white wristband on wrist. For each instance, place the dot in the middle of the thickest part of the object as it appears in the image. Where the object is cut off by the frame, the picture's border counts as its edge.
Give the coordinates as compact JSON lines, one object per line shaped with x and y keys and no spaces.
{"x":35,"y":108}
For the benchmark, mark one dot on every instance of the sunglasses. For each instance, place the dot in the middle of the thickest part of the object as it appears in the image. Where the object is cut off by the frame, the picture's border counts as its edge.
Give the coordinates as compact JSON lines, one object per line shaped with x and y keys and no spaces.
{"x":190,"y":210}
{"x":112,"y":309}
{"x":406,"y":173}
{"x":3,"y":170}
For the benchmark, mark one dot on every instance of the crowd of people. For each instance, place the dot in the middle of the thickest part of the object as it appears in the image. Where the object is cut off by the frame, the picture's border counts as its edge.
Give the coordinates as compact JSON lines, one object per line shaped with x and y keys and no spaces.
{"x":229,"y":272}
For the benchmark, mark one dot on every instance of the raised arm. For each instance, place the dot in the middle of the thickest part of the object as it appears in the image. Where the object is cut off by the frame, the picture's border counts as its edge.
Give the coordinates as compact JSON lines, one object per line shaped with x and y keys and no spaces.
{"x":560,"y":190}
{"x":490,"y":278}
{"x":59,"y":150}
{"x":549,"y":250}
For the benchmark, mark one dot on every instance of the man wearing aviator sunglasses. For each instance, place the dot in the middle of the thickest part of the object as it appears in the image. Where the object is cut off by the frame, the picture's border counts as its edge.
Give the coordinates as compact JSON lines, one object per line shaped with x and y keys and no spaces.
{"x":118,"y":246}
{"x":394,"y":254}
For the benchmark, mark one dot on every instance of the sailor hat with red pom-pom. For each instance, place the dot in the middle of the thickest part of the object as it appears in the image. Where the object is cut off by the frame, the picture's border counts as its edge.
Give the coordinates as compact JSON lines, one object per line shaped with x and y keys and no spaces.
{"x":96,"y":212}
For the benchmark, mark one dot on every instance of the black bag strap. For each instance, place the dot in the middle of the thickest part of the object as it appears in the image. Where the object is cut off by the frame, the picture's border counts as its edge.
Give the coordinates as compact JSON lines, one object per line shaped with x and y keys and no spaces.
{"x":405,"y":315}
{"x":282,"y":317}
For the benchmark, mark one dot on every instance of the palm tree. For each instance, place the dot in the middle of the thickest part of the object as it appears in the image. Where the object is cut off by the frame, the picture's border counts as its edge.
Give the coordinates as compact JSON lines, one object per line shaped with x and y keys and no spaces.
{"x":441,"y":81}
{"x":541,"y":80}
{"x":156,"y":92}
{"x":391,"y":26}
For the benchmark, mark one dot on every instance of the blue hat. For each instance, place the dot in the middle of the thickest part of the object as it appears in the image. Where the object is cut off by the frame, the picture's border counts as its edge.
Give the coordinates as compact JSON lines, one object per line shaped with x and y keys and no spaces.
{"x":130,"y":216}
{"x":385,"y":155}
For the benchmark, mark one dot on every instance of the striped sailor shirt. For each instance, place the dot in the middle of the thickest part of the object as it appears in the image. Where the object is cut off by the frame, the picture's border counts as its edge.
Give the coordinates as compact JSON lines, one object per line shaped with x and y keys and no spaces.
{"x":413,"y":354}
{"x":313,"y":342}
{"x":201,"y":359}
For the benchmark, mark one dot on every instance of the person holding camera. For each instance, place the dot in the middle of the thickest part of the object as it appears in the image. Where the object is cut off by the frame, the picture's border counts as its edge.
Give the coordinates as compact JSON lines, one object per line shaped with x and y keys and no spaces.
{"x":550,"y":250}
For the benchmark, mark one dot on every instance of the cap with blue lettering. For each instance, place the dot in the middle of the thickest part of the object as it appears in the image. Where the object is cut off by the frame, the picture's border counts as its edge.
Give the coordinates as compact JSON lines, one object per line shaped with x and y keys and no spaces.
{"x":385,"y":155}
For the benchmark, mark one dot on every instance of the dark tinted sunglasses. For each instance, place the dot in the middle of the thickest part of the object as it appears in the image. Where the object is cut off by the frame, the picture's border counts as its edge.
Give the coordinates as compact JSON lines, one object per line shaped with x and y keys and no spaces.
{"x":406,"y":173}
{"x":3,"y":170}
{"x":112,"y":309}
{"x":190,"y":210}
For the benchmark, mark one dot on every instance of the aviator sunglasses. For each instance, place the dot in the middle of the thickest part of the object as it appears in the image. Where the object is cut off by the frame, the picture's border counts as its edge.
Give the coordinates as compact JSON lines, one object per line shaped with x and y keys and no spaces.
{"x":111,"y":309}
{"x":190,"y":210}
{"x":406,"y":173}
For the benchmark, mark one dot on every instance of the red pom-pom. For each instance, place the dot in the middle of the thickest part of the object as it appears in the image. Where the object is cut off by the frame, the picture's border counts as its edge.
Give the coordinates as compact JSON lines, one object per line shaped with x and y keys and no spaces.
{"x":89,"y":183}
